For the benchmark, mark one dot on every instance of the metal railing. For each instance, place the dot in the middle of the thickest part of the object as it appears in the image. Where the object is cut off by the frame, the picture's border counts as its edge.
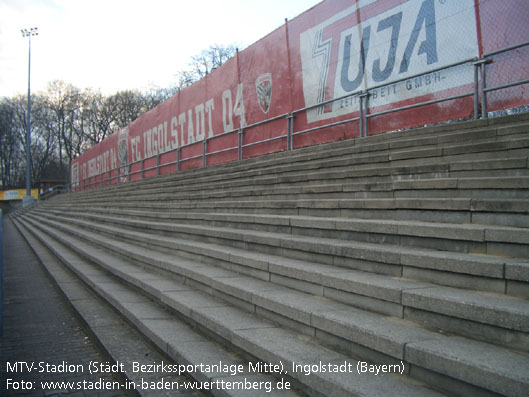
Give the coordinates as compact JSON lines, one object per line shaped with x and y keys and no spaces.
{"x":479,"y":95}
{"x":55,"y":190}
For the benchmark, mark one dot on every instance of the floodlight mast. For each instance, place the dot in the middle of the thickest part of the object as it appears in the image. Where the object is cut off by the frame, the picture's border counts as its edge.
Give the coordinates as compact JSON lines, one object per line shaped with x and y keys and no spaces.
{"x":29,"y":33}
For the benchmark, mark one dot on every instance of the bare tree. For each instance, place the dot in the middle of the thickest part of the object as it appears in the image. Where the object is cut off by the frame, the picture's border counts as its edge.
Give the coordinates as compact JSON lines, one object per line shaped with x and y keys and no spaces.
{"x":11,"y":155}
{"x":211,"y":58}
{"x":62,"y":100}
{"x":126,"y":106}
{"x":66,"y":121}
{"x":204,"y":63}
{"x":13,"y":127}
{"x":43,"y":138}
{"x":186,"y":78}
{"x":96,"y":119}
{"x":156,"y":95}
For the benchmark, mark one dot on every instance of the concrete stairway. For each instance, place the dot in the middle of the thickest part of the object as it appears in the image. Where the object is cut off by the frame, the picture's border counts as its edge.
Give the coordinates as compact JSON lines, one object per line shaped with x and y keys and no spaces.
{"x":408,"y":249}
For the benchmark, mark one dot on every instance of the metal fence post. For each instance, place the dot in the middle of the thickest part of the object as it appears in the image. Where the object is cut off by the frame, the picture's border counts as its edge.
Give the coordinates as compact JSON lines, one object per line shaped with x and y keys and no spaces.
{"x":484,"y":113}
{"x":363,"y":113}
{"x":240,"y":142}
{"x":158,"y":164}
{"x":366,"y":109}
{"x":178,"y":158}
{"x":480,"y":69}
{"x":290,"y":131}
{"x":476,"y":90}
{"x":361,"y":120}
{"x":204,"y":153}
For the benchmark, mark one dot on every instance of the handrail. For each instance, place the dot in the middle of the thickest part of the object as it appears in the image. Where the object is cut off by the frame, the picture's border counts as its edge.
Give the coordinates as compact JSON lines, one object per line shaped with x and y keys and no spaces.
{"x":506,"y":49}
{"x":53,"y":191}
{"x":479,"y":92}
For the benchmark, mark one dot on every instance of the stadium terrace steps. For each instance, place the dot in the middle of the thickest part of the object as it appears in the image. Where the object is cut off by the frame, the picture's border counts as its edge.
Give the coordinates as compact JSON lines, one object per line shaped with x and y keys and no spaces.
{"x":173,"y":337}
{"x":491,"y":187}
{"x":323,"y":279}
{"x":481,"y":239}
{"x":356,"y":160}
{"x":359,"y":172}
{"x":382,"y":339}
{"x":120,"y":341}
{"x":259,"y":338}
{"x":409,"y":248}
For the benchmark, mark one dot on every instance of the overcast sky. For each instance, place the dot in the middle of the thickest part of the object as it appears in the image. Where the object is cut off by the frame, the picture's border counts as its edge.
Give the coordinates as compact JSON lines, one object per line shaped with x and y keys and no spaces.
{"x":124,"y":44}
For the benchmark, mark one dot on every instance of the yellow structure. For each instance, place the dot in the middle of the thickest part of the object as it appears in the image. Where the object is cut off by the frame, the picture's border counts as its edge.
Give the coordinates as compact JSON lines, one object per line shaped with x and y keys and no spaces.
{"x":17,"y":194}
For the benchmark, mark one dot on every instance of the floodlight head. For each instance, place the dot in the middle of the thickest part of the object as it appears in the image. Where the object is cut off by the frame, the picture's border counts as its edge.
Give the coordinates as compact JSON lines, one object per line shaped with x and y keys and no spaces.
{"x":29,"y":33}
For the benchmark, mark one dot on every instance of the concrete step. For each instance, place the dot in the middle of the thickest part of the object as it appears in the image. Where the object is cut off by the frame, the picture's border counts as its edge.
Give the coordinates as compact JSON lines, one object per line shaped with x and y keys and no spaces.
{"x":461,"y":150}
{"x":488,"y":188}
{"x":369,"y":179}
{"x":120,"y":341}
{"x":360,"y":173}
{"x":378,"y":248}
{"x":475,"y":239}
{"x":261,"y":339}
{"x":500,"y":187}
{"x":331,"y":188}
{"x":178,"y":339}
{"x":327,"y":249}
{"x":319,"y":157}
{"x":372,"y":292}
{"x":304,"y":172}
{"x":510,"y":213}
{"x":513,"y":212}
{"x":379,"y":337}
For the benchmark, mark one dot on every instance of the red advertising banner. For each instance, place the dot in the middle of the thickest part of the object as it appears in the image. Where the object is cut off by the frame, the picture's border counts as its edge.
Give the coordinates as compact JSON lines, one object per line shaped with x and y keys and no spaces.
{"x":336,"y":70}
